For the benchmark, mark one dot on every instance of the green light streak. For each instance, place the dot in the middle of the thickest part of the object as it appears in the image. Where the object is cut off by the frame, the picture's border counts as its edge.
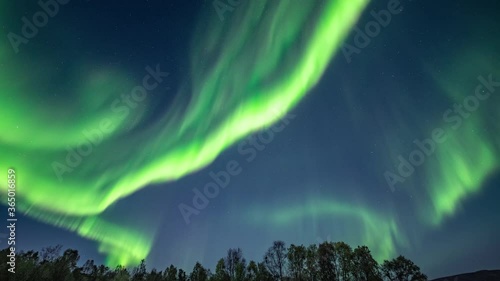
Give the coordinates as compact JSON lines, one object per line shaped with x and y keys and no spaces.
{"x":264,"y":66}
{"x":122,"y":245}
{"x":379,"y":231}
{"x":470,"y":154}
{"x":462,"y":164}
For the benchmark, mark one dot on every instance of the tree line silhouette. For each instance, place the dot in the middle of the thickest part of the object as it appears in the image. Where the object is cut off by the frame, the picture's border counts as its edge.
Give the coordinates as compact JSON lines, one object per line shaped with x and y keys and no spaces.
{"x":328,"y":261}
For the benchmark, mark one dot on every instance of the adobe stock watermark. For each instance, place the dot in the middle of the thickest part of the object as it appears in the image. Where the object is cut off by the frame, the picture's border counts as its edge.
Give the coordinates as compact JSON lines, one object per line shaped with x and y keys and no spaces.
{"x":248,"y":148}
{"x":120,"y":106}
{"x":372,"y":29}
{"x":30,"y":28}
{"x":453,"y":117}
{"x":223,"y":6}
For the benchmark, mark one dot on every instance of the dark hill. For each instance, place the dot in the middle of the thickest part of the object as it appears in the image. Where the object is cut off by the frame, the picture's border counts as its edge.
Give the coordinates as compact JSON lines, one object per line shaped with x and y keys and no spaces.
{"x":483,"y":275}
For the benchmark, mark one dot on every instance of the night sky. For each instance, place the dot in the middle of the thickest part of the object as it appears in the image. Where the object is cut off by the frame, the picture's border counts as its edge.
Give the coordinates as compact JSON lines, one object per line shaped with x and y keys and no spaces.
{"x":301,"y":121}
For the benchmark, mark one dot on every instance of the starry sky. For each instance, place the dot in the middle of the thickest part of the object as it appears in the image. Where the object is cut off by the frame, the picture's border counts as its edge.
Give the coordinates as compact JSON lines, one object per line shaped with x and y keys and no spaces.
{"x":175,"y":130}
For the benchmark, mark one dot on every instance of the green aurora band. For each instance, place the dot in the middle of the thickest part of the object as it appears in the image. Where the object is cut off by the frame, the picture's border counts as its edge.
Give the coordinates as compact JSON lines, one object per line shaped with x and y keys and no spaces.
{"x":228,"y":97}
{"x":378,"y":230}
{"x":457,"y":170}
{"x":470,"y":154}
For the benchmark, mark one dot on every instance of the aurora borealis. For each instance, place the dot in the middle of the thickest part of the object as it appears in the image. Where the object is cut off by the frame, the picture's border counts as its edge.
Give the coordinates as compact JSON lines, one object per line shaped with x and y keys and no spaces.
{"x":112,"y":121}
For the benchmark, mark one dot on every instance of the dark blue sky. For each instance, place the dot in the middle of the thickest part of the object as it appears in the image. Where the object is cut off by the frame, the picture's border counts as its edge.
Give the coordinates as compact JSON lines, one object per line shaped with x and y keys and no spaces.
{"x":321,"y":177}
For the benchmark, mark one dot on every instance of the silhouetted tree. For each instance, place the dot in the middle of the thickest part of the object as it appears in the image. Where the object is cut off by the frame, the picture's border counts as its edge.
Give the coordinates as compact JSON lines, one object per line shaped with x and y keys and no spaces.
{"x":51,"y":253}
{"x":154,"y":275}
{"x":344,"y":261}
{"x":89,"y":269}
{"x":139,"y":272}
{"x":263,"y":274}
{"x":121,"y":274}
{"x":220,"y":272}
{"x":252,"y":271}
{"x":276,"y":261}
{"x":402,"y":269}
{"x":170,"y":274}
{"x":182,"y":275}
{"x":326,"y":262}
{"x":47,"y":266}
{"x":312,"y":265}
{"x":240,"y":272}
{"x":233,"y":259}
{"x":366,"y":267}
{"x":105,"y":272}
{"x":329,"y":262}
{"x":27,"y":266}
{"x":70,"y":259}
{"x":199,"y":273}
{"x":297,"y":262}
